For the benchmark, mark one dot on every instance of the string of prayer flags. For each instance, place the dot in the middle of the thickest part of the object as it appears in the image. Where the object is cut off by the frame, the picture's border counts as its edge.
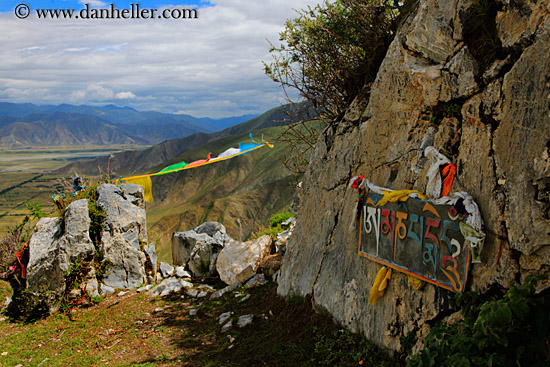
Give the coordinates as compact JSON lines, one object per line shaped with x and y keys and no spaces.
{"x":145,"y":180}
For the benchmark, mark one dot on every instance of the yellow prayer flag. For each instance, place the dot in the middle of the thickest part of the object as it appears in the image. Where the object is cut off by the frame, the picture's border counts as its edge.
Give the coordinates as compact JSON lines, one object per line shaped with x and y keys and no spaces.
{"x":146,"y":183}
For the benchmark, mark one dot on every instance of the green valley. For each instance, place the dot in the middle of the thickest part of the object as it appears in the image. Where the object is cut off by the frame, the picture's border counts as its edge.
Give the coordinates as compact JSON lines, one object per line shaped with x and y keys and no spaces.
{"x":28,"y":175}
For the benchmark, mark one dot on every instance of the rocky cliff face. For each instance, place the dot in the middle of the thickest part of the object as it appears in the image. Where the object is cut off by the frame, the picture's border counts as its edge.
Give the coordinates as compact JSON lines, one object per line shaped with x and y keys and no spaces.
{"x":496,"y":78}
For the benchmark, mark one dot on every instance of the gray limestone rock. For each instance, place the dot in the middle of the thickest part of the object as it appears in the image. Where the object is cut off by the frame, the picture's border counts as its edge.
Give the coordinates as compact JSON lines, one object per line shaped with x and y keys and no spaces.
{"x":168,"y":286}
{"x":166,"y":270}
{"x":91,"y":285}
{"x":76,"y":243}
{"x":145,"y":288}
{"x":256,"y":280}
{"x":219,"y":293}
{"x":182,"y":273}
{"x":227,"y":326}
{"x":290,"y":222}
{"x":123,"y":236}
{"x":215,"y":230}
{"x":58,"y":249}
{"x":245,"y":298}
{"x":224,"y":317}
{"x":245,"y":320}
{"x":192,"y":293}
{"x":203,"y":258}
{"x":56,"y":252}
{"x":199,"y":248}
{"x":239,"y":261}
{"x":106,"y":290}
{"x":45,"y":268}
{"x":183,"y":244}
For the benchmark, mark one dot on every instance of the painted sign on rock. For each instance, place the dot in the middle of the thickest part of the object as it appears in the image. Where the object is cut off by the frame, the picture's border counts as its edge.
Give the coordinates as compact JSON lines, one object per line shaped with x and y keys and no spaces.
{"x":418,"y":238}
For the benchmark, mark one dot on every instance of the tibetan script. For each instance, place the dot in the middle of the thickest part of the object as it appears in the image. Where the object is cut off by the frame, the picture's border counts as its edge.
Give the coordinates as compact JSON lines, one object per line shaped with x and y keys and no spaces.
{"x":416,"y":237}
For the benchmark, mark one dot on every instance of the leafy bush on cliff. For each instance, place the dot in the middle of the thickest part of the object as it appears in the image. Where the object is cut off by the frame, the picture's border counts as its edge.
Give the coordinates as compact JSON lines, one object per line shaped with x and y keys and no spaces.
{"x":511,"y":331}
{"x":329,"y":54}
{"x":329,"y":51}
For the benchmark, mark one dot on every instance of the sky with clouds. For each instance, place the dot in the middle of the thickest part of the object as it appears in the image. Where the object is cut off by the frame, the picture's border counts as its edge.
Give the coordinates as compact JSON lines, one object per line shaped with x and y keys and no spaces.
{"x":206,"y":67}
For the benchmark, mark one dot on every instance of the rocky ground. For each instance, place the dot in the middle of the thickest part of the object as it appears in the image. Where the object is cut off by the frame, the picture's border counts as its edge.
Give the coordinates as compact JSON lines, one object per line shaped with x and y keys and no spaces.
{"x":137,"y":329}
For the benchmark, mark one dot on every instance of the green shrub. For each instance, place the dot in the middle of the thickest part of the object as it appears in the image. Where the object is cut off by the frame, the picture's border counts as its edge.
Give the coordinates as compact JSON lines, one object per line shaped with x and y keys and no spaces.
{"x":331,"y":50}
{"x":278,"y":219}
{"x":275,"y":226}
{"x":329,"y":55}
{"x":513,"y":330}
{"x":36,"y":209}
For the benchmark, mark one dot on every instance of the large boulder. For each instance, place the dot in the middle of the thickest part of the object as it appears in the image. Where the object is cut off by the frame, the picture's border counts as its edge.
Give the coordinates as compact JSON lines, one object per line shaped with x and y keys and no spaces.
{"x":199,"y":248}
{"x":124,"y":235}
{"x":183,"y":244}
{"x":76,"y":244}
{"x":44,"y":270}
{"x":56,"y":253}
{"x":239,"y":261}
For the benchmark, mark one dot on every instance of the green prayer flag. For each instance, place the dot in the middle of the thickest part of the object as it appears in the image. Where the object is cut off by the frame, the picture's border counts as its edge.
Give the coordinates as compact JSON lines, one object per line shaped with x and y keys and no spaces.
{"x":172,"y":167}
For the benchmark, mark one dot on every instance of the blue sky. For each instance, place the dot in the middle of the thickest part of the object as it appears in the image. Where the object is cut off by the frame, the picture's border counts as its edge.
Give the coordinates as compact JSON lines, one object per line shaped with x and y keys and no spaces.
{"x":210,"y":66}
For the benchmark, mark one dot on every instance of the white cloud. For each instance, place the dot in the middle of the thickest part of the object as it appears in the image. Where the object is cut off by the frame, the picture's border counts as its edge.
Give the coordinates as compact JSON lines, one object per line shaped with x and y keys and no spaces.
{"x":92,"y":2}
{"x":125,"y":95}
{"x":210,"y":65}
{"x":93,"y":93}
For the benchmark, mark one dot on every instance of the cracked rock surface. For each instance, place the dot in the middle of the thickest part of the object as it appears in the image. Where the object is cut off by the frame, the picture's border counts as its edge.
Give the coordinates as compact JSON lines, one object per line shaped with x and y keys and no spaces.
{"x":500,"y":144}
{"x":124,"y":234}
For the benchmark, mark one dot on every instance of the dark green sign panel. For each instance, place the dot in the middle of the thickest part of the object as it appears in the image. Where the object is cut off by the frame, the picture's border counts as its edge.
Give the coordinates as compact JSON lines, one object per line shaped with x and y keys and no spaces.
{"x":416,"y":237}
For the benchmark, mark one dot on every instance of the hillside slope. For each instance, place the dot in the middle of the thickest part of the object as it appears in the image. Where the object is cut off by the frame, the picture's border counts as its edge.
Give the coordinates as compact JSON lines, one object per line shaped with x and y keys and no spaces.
{"x":241,"y":193}
{"x":136,"y":330}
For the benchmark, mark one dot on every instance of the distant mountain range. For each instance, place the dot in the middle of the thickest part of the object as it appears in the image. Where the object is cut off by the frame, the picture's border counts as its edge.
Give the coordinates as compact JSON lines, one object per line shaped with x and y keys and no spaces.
{"x":129,"y":162}
{"x":25,"y":125}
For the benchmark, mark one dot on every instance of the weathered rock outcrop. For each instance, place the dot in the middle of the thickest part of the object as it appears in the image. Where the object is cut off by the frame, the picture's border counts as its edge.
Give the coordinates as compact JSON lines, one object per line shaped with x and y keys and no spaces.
{"x":62,"y":254}
{"x":500,"y":143}
{"x":124,"y":235}
{"x":199,"y":248}
{"x":207,"y":250}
